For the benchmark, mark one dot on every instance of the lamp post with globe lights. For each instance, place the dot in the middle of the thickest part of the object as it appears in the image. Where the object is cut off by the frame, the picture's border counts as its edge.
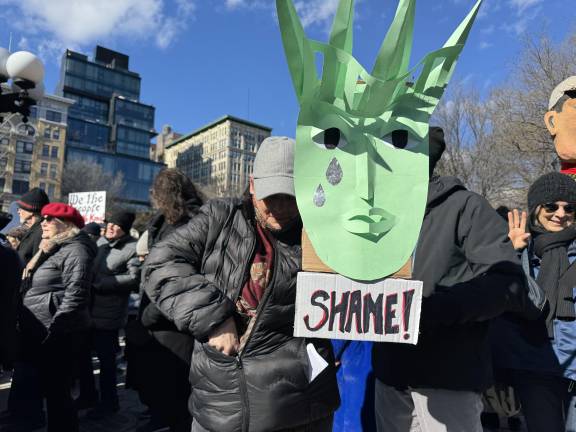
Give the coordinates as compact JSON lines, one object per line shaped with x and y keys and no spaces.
{"x":26,"y":73}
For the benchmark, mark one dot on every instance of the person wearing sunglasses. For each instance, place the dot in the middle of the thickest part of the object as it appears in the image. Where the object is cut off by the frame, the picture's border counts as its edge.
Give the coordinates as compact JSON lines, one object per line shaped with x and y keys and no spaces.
{"x":538,"y":358}
{"x":54,"y":307}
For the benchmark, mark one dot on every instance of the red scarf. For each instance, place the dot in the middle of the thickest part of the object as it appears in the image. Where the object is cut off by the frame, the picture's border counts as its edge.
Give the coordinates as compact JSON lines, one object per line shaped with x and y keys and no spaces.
{"x":260,"y":271}
{"x":568,"y":168}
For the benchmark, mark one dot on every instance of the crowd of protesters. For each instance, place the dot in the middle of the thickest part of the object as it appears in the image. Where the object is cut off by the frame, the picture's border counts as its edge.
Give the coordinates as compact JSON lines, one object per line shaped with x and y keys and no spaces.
{"x":211,"y":347}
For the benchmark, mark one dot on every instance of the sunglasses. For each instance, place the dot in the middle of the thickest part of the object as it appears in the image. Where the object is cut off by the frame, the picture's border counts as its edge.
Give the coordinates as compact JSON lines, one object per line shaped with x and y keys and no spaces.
{"x":50,"y":219}
{"x":552,"y":207}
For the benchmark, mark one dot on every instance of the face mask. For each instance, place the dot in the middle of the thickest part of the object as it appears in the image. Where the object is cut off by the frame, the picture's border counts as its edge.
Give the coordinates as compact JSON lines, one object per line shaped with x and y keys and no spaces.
{"x":361,"y":162}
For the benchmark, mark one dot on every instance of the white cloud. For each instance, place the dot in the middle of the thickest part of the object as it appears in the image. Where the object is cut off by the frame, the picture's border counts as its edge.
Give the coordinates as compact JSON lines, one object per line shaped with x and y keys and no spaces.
{"x":249,"y":4}
{"x":485,"y":45}
{"x":488,"y":30}
{"x":523,"y":5}
{"x":520,"y":26}
{"x":233,"y":4}
{"x":313,"y":12}
{"x":78,"y":23}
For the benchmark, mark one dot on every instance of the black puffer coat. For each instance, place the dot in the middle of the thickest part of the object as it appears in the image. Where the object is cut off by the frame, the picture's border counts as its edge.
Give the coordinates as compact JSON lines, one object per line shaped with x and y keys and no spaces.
{"x":194,"y":277}
{"x":163,"y":330}
{"x":56,"y":295}
{"x":30,"y":241}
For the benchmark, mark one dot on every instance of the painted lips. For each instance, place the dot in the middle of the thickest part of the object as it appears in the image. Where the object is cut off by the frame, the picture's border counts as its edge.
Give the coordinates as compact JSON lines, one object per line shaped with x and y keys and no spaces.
{"x":376,"y":221}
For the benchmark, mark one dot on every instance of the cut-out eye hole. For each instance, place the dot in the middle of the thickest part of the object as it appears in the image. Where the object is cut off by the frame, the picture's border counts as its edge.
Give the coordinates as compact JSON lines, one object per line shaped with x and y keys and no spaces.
{"x":329,"y":139}
{"x":401,"y":139}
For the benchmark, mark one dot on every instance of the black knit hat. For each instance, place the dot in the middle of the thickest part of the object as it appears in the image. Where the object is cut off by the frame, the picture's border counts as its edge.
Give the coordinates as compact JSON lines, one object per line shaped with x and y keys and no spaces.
{"x":550,"y":188}
{"x":92,"y":228}
{"x":123,"y":219}
{"x":437,"y":147}
{"x":33,"y":200}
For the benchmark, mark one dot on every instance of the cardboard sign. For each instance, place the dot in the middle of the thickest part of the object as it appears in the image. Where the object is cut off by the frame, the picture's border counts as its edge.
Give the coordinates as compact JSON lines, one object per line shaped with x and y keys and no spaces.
{"x":91,"y":205}
{"x":331,"y":306}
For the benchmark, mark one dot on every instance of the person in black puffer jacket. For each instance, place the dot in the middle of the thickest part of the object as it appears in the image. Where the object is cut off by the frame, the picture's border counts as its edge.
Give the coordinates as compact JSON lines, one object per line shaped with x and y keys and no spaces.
{"x":228,"y":278}
{"x":55,"y":289}
{"x":169,"y":350}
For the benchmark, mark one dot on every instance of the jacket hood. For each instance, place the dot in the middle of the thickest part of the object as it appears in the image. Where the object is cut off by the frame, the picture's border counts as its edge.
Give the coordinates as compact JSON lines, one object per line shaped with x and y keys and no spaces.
{"x":440,"y":188}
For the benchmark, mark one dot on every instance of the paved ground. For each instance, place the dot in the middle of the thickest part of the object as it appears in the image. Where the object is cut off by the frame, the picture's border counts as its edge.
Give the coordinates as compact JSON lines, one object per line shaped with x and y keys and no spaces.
{"x":131,"y":414}
{"x":127,"y":419}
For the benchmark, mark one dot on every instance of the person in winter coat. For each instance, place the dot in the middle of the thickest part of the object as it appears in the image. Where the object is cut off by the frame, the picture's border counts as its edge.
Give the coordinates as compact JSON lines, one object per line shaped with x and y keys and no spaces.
{"x":117,"y":273}
{"x":538,"y":358}
{"x":11,"y":271}
{"x":177,"y":201}
{"x":55,"y":293}
{"x":228,"y":278}
{"x":471,"y":274}
{"x":25,"y":406}
{"x":29,"y":208}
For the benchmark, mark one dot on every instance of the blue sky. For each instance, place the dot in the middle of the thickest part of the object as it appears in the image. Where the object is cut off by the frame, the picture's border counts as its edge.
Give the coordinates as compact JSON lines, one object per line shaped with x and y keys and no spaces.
{"x":201,"y":59}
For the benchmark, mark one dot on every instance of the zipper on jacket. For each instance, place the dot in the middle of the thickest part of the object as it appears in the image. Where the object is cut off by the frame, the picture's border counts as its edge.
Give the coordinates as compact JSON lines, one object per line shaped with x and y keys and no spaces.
{"x":262,"y":303}
{"x":243,"y":395}
{"x":243,"y":385}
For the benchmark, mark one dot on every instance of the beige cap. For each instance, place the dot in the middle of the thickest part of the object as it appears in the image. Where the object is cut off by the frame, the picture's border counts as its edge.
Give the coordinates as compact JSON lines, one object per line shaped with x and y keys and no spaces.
{"x":569,"y":84}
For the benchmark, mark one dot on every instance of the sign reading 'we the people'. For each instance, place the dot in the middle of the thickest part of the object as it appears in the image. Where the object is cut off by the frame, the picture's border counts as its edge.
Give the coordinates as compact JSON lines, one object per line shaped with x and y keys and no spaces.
{"x":334,"y":307}
{"x":91,"y":205}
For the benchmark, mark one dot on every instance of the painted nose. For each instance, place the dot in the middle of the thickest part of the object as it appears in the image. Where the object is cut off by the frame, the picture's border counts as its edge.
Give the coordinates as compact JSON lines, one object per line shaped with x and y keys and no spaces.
{"x":364,"y":175}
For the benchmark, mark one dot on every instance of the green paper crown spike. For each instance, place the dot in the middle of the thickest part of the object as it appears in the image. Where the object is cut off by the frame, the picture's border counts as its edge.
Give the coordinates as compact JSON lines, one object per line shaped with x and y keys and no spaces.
{"x":361,"y":160}
{"x":387,"y":83}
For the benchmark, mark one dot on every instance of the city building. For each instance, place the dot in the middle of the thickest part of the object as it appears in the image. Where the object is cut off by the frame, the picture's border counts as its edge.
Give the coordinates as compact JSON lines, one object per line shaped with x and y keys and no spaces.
{"x":32,"y":153}
{"x":108,"y":124}
{"x":220,"y":155}
{"x":166,"y":137}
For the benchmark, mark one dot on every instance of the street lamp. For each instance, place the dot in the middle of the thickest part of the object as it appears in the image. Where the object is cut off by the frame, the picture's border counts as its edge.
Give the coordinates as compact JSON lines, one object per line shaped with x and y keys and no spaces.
{"x":27,"y":74}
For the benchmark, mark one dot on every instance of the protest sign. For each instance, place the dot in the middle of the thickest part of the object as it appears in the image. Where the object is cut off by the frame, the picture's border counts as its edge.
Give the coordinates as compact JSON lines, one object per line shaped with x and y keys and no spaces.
{"x":91,"y":205}
{"x":332,"y":306}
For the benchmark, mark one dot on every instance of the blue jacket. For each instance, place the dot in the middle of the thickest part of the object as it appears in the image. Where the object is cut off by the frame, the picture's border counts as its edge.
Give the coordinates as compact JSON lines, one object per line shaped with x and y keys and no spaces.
{"x":525,"y":345}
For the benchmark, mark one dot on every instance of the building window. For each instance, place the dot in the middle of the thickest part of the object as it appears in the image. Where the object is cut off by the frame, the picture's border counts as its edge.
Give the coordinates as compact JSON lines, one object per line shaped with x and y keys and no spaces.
{"x":44,"y":170}
{"x":53,"y":171}
{"x":4,"y":141}
{"x":19,"y":187}
{"x":42,"y":186}
{"x":47,"y":132}
{"x":54,"y":116}
{"x":25,"y":147}
{"x":51,"y":189}
{"x":45,"y":150}
{"x":22,"y":166}
{"x":54,"y":152}
{"x":56,"y":134}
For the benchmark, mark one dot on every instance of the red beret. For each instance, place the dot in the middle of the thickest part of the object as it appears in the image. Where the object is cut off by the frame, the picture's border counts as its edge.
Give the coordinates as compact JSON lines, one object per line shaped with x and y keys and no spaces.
{"x":64,"y":212}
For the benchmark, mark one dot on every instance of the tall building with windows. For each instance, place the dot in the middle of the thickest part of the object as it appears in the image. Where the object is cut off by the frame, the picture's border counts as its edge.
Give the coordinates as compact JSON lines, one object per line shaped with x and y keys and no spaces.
{"x":32,"y":154}
{"x":219,"y":155}
{"x":108,"y":124}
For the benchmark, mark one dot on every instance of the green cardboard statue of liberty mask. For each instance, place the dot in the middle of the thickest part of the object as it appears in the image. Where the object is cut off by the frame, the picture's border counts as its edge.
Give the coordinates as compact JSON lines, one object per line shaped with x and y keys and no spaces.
{"x":361,"y":163}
